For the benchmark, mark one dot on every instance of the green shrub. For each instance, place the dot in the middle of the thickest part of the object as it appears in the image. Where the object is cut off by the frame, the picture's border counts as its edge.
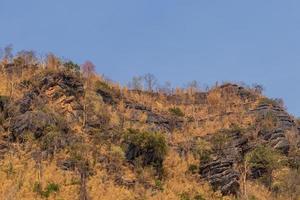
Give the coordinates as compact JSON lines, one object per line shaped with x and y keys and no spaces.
{"x":50,"y":188}
{"x":71,"y":66}
{"x":176,"y":111}
{"x":193,"y":169}
{"x":265,"y":158}
{"x":219,"y":141}
{"x":202,"y":150}
{"x":199,"y":197}
{"x":159,"y":185}
{"x":149,"y":147}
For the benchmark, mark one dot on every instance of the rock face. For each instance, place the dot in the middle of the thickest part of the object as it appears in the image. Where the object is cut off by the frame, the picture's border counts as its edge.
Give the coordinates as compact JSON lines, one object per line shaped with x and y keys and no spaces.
{"x":221,"y":175}
{"x":277,"y":137}
{"x":107,"y":96}
{"x":277,"y":140}
{"x":26,"y":101}
{"x":34,"y":122}
{"x":160,"y":121}
{"x":237,"y":146}
{"x":69,"y":84}
{"x":284,"y":120}
{"x":61,"y":89}
{"x":220,"y":172}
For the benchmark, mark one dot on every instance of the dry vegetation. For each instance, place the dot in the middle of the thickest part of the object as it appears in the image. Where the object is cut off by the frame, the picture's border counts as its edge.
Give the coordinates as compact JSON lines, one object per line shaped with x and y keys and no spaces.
{"x":94,"y":139}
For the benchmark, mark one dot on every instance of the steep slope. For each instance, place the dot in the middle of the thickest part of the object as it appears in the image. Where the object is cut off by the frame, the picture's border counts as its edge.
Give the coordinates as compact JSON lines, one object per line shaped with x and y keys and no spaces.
{"x":68,"y":136}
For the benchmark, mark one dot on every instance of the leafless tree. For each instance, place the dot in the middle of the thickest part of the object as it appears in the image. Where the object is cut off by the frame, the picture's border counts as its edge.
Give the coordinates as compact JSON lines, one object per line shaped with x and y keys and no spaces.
{"x":8,"y":55}
{"x":166,"y":88}
{"x":150,"y":82}
{"x":193,"y":87}
{"x":136,"y":83}
{"x":83,"y":171}
{"x":88,"y":69}
{"x":24,"y":59}
{"x":28,"y":57}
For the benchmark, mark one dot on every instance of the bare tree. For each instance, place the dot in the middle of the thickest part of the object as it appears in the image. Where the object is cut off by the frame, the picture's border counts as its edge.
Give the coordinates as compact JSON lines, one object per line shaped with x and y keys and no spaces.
{"x":166,"y":88}
{"x":150,"y":81}
{"x":8,"y":55}
{"x":23,"y":60}
{"x":83,"y":171}
{"x":136,"y":83}
{"x":88,"y":69}
{"x":193,"y":87}
{"x":28,"y":57}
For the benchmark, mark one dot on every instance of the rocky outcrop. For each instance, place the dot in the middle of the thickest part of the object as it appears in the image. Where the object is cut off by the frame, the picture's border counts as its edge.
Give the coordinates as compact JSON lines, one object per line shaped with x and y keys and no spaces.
{"x":26,"y":101}
{"x":237,"y":146}
{"x":68,"y":83}
{"x":160,"y":121}
{"x":149,"y":156}
{"x":220,"y":172}
{"x":107,"y":96}
{"x":276,"y":139}
{"x":235,"y":89}
{"x":221,"y":175}
{"x":283,"y":119}
{"x":62,"y":88}
{"x":34,"y":122}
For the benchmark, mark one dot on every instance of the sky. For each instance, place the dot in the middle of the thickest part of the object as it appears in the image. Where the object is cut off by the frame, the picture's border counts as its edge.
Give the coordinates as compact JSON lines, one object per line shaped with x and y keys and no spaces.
{"x":176,"y":40}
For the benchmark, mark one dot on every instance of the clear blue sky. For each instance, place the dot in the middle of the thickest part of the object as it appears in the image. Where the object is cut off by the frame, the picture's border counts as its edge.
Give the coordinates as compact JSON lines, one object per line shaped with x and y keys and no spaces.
{"x":178,"y":40}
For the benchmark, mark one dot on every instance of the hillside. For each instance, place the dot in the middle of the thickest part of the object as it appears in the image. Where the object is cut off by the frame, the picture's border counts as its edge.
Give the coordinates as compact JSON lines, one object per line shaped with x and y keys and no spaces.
{"x":71,"y":134}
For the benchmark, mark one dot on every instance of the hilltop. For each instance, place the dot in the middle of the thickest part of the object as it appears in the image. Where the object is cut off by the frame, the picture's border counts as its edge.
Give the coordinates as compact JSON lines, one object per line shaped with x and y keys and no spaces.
{"x":68,"y":133}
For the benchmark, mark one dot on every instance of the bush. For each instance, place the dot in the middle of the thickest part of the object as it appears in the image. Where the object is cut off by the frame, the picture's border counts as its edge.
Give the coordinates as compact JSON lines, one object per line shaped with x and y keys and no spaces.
{"x":51,"y":188}
{"x":159,"y":185}
{"x":202,"y":150}
{"x":71,"y":66}
{"x":219,"y":141}
{"x":117,"y":155}
{"x":176,"y":111}
{"x":193,"y":169}
{"x":262,"y":161}
{"x":149,"y":147}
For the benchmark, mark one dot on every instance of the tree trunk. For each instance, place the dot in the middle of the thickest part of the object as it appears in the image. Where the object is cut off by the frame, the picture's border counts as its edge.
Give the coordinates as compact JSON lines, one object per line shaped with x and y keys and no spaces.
{"x":83,"y":192}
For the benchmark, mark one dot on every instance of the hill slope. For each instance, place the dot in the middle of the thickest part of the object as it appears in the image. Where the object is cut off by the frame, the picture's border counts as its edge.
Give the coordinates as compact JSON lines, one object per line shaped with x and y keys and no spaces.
{"x":72,"y":135}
